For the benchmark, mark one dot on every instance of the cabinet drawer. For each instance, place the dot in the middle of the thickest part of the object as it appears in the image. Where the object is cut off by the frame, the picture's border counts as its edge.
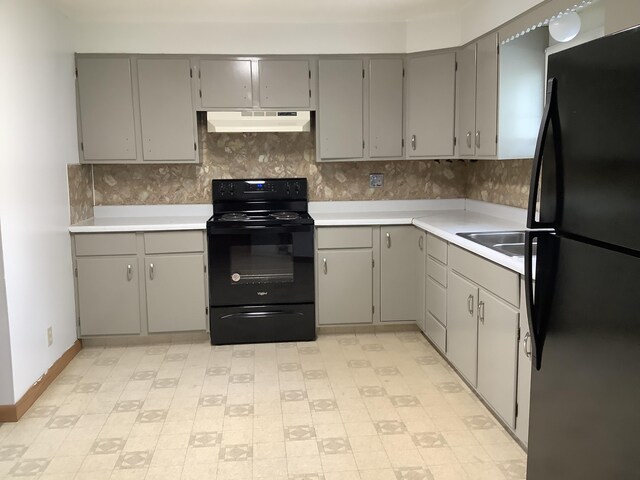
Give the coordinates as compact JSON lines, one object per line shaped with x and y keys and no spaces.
{"x":105,"y":244}
{"x":437,"y":301}
{"x":437,"y":271}
{"x":498,"y":280}
{"x":437,"y":248}
{"x":345,"y":237}
{"x":436,"y":332}
{"x":174,"y":242}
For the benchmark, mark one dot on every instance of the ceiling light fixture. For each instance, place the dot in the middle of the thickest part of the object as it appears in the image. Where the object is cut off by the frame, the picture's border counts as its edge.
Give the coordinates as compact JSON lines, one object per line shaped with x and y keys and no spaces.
{"x":565,"y":27}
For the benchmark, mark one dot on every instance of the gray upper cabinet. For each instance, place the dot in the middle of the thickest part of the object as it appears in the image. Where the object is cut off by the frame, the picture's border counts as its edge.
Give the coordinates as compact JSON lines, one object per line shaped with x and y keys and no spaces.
{"x":166,"y":109}
{"x":431,"y":105}
{"x":487,"y":96}
{"x":105,"y":109}
{"x":285,"y":83}
{"x":385,"y":107}
{"x":226,"y":83}
{"x":340,"y":125}
{"x":466,"y":101}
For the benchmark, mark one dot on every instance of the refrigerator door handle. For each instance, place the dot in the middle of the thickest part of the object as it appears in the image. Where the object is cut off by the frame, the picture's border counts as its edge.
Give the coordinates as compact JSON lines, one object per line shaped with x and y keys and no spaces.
{"x":533,"y":312}
{"x":549,"y":117}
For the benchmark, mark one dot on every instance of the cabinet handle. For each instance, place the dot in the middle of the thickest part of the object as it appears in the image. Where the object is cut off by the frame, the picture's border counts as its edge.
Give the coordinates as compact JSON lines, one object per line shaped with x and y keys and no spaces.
{"x":470,"y":304}
{"x":481,"y":312}
{"x":413,"y":142}
{"x":526,"y":344}
{"x":421,"y":242}
{"x":151,"y":271}
{"x":324,"y":265}
{"x":468,"y":139}
{"x":129,"y":273}
{"x":388,"y":240}
{"x":478,"y":138}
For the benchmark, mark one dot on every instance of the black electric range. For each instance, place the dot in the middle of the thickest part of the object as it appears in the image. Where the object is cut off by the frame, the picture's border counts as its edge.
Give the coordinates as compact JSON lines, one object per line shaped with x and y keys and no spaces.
{"x":261,"y":262}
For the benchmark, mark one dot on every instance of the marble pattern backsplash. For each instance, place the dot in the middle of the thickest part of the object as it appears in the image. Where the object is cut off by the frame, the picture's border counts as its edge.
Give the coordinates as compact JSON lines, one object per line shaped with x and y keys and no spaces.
{"x":80,"y":192}
{"x":499,"y":181}
{"x":254,"y":155}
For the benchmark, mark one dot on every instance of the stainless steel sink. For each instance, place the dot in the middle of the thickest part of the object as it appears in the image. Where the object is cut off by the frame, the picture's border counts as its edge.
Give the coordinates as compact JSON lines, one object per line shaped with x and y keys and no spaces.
{"x":508,"y":243}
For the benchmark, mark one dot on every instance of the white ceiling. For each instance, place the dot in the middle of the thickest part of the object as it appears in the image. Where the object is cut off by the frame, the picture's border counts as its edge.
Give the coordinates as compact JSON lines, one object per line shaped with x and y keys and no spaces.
{"x":254,"y":11}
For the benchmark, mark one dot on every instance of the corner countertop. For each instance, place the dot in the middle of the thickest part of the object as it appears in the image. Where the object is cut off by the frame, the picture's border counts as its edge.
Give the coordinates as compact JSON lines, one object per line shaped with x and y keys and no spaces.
{"x":443,"y":218}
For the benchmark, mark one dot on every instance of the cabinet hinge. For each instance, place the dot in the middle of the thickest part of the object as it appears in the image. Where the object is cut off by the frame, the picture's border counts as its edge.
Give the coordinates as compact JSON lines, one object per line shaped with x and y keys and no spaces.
{"x":200,"y":93}
{"x":373,"y":263}
{"x":205,"y":268}
{"x":496,"y":139}
{"x":373,"y":309}
{"x":75,"y":272}
{"x":206,"y":310}
{"x":82,"y":146}
{"x":518,"y":333}
{"x":363,"y":144}
{"x":76,"y":72}
{"x":309,"y":93}
{"x":455,"y":141}
{"x":195,"y":147}
{"x":363,"y":73}
{"x":498,"y":49}
{"x":403,"y":73}
{"x":190,"y":73}
{"x":516,"y":409}
{"x":402,"y":143}
{"x":456,"y":66}
{"x":309,"y":74}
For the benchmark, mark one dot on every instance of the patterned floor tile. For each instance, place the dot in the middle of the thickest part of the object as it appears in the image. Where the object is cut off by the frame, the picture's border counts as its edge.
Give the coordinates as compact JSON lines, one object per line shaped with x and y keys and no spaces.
{"x":236,"y":453}
{"x":404,"y":401}
{"x":413,"y":473}
{"x":308,"y":350}
{"x":134,"y":460}
{"x":390,"y":427}
{"x":87,"y":387}
{"x":387,"y":371}
{"x":372,"y":391}
{"x":151,"y":416}
{"x":478,"y":422}
{"x":427,"y":360}
{"x":11,"y":452}
{"x":29,"y":468}
{"x":293,"y":395}
{"x":429,"y":439}
{"x":217,"y":371}
{"x":128,"y":406}
{"x":323,"y":405}
{"x":41,"y":411}
{"x":165,"y":383}
{"x":243,"y":354}
{"x":63,"y":421}
{"x":144,"y":375}
{"x":241,"y":378}
{"x":450,"y":387}
{"x":359,"y":364}
{"x":175,"y":357}
{"x":205,"y":439}
{"x":372,"y":347}
{"x":212,"y":400}
{"x":243,"y":410}
{"x":104,"y":446}
{"x":513,"y":470}
{"x":314,"y":374}
{"x":299,"y":432}
{"x":332,"y":446}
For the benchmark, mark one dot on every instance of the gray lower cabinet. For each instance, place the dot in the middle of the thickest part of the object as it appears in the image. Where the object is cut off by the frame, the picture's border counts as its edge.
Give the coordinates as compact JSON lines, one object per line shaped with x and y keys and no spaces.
{"x":462,"y":325}
{"x":345,"y":286}
{"x":105,"y":109}
{"x":497,"y":354}
{"x":431,"y":83}
{"x":175,"y":292}
{"x":524,"y":372}
{"x":108,"y":295}
{"x":399,"y":273}
{"x":340,"y":109}
{"x":166,"y":109}
{"x":139,"y":283}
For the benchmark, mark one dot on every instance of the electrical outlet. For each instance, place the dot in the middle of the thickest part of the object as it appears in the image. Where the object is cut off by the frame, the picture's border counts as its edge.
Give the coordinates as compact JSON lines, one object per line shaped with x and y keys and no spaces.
{"x":50,"y":336}
{"x":376,"y":180}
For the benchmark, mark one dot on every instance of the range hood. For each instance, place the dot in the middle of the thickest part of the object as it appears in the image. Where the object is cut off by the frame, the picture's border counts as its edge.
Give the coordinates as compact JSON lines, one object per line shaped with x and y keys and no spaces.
{"x":259,"y":121}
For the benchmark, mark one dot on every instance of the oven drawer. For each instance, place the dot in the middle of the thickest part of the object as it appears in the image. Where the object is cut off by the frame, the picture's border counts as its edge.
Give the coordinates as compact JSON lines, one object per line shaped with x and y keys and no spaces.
{"x":345,"y":237}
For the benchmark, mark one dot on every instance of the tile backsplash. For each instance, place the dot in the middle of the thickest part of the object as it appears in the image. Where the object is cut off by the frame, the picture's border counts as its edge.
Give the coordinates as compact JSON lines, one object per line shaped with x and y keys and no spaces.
{"x":251,"y":155}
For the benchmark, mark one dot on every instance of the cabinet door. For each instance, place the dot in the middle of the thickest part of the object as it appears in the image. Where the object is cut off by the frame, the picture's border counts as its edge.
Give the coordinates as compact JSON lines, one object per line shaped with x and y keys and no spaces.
{"x":175,"y":292}
{"x":462,"y":325}
{"x":487,"y":96}
{"x":399,"y":272}
{"x":340,"y":109}
{"x":108,"y":295}
{"x":345,"y":286}
{"x":431,"y":105}
{"x":385,"y":107}
{"x":225,"y":83}
{"x":524,"y":372}
{"x":284,"y":83}
{"x":466,"y":100}
{"x":166,"y":109}
{"x":497,"y":354}
{"x":105,"y":103}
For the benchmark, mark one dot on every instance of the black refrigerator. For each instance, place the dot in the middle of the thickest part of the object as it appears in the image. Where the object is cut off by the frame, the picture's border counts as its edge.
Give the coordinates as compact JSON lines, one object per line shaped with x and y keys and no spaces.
{"x":584,"y":306}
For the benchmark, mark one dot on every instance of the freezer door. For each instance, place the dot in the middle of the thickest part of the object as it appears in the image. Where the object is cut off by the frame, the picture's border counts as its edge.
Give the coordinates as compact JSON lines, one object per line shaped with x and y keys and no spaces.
{"x":598,"y":168}
{"x":585,"y":396}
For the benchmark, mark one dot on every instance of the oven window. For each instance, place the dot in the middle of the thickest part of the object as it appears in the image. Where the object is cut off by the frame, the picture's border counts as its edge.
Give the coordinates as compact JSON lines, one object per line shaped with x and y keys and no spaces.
{"x":262,"y":264}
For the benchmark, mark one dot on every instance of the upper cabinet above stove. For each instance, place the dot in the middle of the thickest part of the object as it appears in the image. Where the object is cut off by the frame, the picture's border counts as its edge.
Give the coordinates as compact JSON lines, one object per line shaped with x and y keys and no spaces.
{"x":136,"y":109}
{"x":240,"y":83}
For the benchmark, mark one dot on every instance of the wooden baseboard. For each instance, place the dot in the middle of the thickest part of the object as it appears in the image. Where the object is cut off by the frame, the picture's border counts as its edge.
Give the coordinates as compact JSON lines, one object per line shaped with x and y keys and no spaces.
{"x":13,"y":413}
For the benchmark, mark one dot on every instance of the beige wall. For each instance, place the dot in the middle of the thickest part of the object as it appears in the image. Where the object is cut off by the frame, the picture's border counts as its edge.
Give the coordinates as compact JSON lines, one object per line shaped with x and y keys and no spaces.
{"x":251,"y":155}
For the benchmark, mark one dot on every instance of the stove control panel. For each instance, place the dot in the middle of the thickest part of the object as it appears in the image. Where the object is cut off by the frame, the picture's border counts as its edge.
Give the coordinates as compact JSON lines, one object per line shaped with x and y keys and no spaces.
{"x":259,"y":189}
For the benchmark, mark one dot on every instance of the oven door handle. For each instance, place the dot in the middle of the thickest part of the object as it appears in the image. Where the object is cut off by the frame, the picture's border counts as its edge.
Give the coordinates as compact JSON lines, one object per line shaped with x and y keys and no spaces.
{"x":249,"y":230}
{"x":261,"y":314}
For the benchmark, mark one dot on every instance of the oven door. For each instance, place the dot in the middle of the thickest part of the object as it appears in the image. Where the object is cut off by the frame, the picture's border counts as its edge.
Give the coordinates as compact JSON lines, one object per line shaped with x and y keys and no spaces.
{"x":261,"y":265}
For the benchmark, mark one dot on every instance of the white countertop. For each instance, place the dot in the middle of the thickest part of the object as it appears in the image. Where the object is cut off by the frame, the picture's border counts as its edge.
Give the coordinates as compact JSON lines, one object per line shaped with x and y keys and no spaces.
{"x":443,"y":218}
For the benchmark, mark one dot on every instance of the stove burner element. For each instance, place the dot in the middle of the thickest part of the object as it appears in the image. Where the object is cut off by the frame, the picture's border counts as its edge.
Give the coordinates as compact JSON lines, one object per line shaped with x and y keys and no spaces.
{"x":284,"y":215}
{"x":234,"y":216}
